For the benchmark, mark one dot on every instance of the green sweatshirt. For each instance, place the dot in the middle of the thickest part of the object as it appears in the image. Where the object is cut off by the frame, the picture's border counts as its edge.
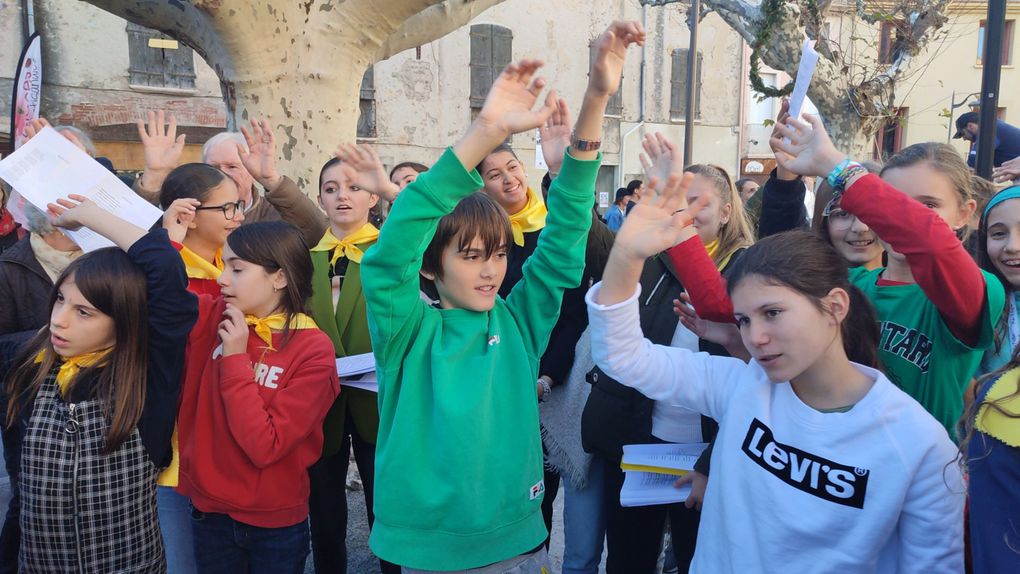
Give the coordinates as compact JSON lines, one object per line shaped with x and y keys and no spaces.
{"x":459,"y":456}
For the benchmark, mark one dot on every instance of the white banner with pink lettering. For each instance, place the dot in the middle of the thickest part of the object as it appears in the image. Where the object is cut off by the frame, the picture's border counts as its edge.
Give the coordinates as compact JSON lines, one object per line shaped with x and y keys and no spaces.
{"x":25,"y":107}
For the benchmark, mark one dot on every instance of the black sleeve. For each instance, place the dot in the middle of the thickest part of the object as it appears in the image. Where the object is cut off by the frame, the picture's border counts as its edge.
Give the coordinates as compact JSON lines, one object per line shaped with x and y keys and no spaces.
{"x":704,"y":461}
{"x":173,"y":311}
{"x":559,"y":355}
{"x":782,"y":206}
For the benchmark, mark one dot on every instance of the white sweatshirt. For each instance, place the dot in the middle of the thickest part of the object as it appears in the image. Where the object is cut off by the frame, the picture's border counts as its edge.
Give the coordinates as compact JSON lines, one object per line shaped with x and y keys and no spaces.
{"x":874,"y":489}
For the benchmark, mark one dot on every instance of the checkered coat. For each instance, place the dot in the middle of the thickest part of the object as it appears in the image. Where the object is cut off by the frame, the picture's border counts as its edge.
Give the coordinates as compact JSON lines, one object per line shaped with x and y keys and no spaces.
{"x":81,"y":510}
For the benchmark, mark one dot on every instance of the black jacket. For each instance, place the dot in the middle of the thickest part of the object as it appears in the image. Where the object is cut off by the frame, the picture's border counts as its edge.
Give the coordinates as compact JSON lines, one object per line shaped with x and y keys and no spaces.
{"x":24,"y":289}
{"x":782,"y":206}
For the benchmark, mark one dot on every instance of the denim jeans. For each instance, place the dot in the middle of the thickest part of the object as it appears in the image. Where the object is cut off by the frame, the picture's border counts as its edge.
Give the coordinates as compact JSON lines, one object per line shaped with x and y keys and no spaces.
{"x":584,"y":523}
{"x":175,"y":524}
{"x":225,"y":546}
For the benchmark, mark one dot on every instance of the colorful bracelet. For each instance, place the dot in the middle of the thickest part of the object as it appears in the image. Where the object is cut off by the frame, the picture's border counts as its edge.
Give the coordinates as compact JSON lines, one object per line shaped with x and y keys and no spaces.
{"x":839,"y":175}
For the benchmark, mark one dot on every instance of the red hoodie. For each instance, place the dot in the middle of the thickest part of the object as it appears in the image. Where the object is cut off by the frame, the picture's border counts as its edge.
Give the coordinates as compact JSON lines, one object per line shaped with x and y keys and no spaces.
{"x":250,"y":424}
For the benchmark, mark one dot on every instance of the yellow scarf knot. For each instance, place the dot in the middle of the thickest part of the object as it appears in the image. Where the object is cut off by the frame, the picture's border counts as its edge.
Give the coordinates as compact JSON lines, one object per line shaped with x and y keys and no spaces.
{"x":713,"y":249}
{"x":348,"y":246}
{"x":71,"y":366}
{"x":265,"y":326}
{"x":995,"y":423}
{"x":531,"y":218}
{"x":198,"y":268}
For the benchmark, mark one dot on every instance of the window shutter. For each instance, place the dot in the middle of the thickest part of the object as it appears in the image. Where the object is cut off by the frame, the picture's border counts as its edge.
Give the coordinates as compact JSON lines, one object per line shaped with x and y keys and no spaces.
{"x":678,"y":84}
{"x":158,"y":67}
{"x":481,"y":63}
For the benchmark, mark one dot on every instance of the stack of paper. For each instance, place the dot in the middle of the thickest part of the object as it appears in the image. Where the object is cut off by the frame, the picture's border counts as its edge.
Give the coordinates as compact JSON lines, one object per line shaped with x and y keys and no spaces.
{"x":651,"y":470}
{"x":358,"y":371}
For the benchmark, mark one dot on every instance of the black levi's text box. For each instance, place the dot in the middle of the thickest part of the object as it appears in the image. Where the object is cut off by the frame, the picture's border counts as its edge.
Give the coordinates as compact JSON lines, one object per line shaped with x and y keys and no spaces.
{"x":804,"y":471}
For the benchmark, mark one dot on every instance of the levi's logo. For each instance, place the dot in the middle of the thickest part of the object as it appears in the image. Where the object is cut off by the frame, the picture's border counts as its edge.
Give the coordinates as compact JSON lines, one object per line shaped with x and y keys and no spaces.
{"x":804,"y":471}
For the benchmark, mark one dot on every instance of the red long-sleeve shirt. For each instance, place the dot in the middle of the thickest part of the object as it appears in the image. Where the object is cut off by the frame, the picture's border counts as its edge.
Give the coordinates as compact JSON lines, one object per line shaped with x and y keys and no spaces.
{"x":938,"y":261}
{"x":250,"y":424}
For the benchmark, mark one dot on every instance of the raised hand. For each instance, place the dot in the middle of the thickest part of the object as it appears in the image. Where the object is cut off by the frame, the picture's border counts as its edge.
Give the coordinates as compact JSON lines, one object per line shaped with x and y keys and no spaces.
{"x":555,"y":136}
{"x":363,"y":167}
{"x":233,"y":331}
{"x":610,"y":54}
{"x":35,"y":126}
{"x":73,"y":213}
{"x":784,"y":114}
{"x":161,"y":144}
{"x":178,"y":218}
{"x":661,"y":160}
{"x":659,"y":219}
{"x":508,"y":109}
{"x":809,"y":151}
{"x":260,"y":159}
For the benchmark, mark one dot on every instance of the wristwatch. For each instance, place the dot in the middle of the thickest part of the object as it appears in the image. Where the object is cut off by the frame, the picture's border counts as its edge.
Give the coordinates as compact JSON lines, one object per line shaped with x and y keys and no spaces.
{"x":584,"y":145}
{"x":546,"y":389}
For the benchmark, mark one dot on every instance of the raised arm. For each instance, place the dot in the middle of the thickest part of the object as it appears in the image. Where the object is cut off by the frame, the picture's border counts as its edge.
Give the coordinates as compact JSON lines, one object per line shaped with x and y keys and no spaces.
{"x":558,"y":261}
{"x":938,"y":261}
{"x":163,"y":149}
{"x":390,"y":268}
{"x":281,"y":191}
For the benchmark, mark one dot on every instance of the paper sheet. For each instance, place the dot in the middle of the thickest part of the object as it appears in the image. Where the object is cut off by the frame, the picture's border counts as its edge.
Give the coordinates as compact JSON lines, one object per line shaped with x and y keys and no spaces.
{"x":347,"y":367}
{"x":49,"y":167}
{"x":648,"y":488}
{"x":667,"y":457}
{"x":806,"y":70}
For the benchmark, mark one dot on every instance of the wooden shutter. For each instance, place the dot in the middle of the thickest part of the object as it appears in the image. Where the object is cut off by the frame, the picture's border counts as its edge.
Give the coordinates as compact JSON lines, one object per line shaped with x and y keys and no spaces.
{"x":491,"y":51}
{"x":678,"y":85}
{"x":158,"y":67}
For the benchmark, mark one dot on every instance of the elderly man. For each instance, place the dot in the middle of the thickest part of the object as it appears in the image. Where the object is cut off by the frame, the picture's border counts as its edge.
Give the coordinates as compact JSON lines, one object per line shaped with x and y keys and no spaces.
{"x":247,"y":157}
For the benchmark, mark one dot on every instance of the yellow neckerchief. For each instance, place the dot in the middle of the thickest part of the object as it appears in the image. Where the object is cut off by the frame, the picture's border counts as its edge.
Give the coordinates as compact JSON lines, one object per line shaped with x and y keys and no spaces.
{"x":71,"y":366}
{"x":348,"y":246}
{"x":997,"y":424}
{"x":531,"y":218}
{"x":264,"y":327}
{"x":198,"y":268}
{"x":712,"y":248}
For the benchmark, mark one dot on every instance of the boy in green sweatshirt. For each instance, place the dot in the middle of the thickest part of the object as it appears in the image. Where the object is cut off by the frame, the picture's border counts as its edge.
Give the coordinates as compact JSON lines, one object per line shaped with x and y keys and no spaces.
{"x":459,"y":456}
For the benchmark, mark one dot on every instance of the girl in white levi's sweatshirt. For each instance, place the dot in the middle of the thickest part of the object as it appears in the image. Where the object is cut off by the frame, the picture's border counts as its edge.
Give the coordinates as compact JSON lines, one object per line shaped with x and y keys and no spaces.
{"x":821,"y":464}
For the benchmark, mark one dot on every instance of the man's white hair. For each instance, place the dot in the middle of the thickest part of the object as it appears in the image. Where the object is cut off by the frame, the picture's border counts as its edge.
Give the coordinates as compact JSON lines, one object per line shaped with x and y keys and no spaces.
{"x":221,"y":137}
{"x":90,"y":148}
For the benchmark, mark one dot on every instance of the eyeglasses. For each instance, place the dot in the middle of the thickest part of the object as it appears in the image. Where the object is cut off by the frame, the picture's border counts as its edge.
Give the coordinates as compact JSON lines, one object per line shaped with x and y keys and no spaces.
{"x":840,"y":219}
{"x":229,"y":209}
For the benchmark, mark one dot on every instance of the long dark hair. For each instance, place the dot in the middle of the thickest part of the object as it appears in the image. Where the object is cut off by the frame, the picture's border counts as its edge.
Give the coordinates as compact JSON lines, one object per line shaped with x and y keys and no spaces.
{"x":807,"y":264}
{"x":116,"y":287}
{"x":275,"y":246}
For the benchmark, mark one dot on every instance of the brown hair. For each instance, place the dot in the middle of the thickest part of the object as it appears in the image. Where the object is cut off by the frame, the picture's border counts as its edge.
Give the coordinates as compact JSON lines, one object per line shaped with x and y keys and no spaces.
{"x":418,"y":167}
{"x":736,"y":232}
{"x":501,"y":148}
{"x":116,"y":287}
{"x":802,"y":261}
{"x":944,"y":159}
{"x":275,"y":246}
{"x":477,"y":215}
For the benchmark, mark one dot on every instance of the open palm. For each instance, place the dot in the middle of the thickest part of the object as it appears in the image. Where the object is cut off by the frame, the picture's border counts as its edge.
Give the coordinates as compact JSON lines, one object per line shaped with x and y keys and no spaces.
{"x":806,"y":145}
{"x":657,"y":222}
{"x":509,"y":105}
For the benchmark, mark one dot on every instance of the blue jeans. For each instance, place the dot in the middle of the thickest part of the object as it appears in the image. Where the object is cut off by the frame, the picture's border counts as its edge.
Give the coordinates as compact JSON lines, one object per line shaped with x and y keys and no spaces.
{"x":224,"y":546}
{"x":584,"y":523}
{"x":175,"y":524}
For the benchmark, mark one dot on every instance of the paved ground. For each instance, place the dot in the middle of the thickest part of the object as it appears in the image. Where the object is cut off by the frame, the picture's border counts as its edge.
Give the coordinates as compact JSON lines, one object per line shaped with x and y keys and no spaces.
{"x":360,"y":559}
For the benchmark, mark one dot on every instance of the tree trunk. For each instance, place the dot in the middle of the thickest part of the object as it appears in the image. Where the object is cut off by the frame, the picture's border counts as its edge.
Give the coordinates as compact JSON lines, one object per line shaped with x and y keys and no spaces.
{"x":298,"y":64}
